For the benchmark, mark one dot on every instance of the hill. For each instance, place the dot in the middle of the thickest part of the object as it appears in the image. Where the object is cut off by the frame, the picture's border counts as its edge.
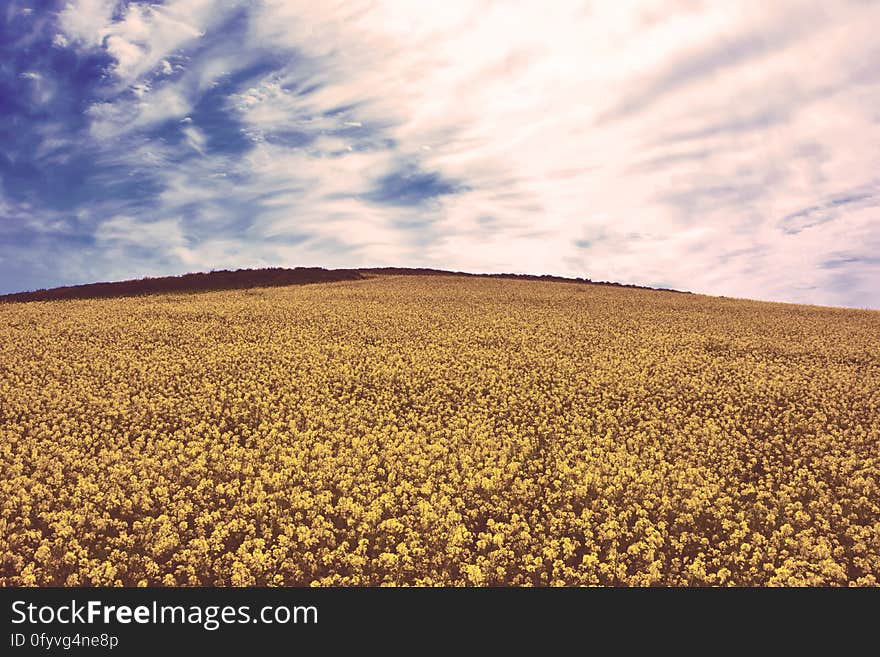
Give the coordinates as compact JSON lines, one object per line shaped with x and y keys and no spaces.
{"x":438,"y":429}
{"x":195,"y":282}
{"x":253,"y":278}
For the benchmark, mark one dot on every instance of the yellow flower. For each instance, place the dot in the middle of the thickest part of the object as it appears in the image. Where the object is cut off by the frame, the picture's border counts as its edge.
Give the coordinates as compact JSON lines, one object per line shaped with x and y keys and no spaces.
{"x":438,"y":431}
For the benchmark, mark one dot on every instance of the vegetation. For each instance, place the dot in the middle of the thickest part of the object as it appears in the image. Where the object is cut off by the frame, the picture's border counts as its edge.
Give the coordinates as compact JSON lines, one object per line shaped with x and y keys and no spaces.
{"x":438,"y":430}
{"x":249,"y":278}
{"x":199,"y":282}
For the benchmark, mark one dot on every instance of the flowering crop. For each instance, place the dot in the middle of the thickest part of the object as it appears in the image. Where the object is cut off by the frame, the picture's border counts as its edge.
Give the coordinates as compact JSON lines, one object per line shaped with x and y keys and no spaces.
{"x":438,"y":430}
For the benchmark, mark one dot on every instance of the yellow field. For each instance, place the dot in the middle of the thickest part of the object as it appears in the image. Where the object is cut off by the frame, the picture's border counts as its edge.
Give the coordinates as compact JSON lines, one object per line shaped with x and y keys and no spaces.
{"x":434,"y":430}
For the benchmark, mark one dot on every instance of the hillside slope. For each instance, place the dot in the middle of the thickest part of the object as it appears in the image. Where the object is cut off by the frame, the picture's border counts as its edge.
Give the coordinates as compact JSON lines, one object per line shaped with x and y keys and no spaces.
{"x":457,"y":430}
{"x":197,"y":282}
{"x":241,"y":279}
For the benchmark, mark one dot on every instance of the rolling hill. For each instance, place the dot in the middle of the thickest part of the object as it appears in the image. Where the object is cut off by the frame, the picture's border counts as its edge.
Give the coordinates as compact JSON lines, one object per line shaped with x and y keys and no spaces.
{"x":398,"y":427}
{"x":240,"y":279}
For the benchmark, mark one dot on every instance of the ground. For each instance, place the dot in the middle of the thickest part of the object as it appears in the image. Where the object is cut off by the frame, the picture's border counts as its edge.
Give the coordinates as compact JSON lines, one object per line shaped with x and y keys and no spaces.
{"x":438,"y":430}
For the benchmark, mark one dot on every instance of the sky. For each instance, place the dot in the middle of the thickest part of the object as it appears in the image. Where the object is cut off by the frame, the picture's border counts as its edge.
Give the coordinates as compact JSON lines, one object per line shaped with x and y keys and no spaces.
{"x":727,"y":148}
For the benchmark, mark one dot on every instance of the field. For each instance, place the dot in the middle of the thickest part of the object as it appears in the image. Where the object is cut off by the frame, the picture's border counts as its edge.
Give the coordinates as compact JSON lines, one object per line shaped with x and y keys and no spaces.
{"x":438,"y":430}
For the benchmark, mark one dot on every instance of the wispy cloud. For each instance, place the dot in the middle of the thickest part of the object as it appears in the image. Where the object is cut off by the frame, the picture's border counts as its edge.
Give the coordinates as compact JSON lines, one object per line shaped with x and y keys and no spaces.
{"x":683,"y":144}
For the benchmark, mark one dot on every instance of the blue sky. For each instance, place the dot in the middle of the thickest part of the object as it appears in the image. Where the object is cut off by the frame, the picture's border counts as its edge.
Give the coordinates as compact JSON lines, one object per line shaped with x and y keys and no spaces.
{"x":724,"y":148}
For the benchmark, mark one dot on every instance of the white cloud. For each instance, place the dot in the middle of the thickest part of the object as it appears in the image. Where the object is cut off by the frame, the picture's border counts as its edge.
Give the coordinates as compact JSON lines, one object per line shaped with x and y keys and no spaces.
{"x":141,"y":89}
{"x":148,"y":107}
{"x":41,"y":89}
{"x":131,"y":231}
{"x":195,"y":138}
{"x":143,"y":36}
{"x":84,"y":21}
{"x":668,"y":143}
{"x":729,"y":148}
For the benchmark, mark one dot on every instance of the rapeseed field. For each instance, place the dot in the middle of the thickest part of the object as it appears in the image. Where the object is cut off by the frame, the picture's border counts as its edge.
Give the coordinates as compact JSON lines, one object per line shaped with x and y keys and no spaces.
{"x":425,"y":430}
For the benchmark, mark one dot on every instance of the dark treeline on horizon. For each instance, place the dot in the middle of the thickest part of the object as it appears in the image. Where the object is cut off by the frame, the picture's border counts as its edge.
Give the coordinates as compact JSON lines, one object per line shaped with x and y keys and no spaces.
{"x":251,"y":278}
{"x":197,"y":282}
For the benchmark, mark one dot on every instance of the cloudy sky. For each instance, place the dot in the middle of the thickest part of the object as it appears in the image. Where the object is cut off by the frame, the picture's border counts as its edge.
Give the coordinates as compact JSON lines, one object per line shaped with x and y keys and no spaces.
{"x":722,"y":147}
